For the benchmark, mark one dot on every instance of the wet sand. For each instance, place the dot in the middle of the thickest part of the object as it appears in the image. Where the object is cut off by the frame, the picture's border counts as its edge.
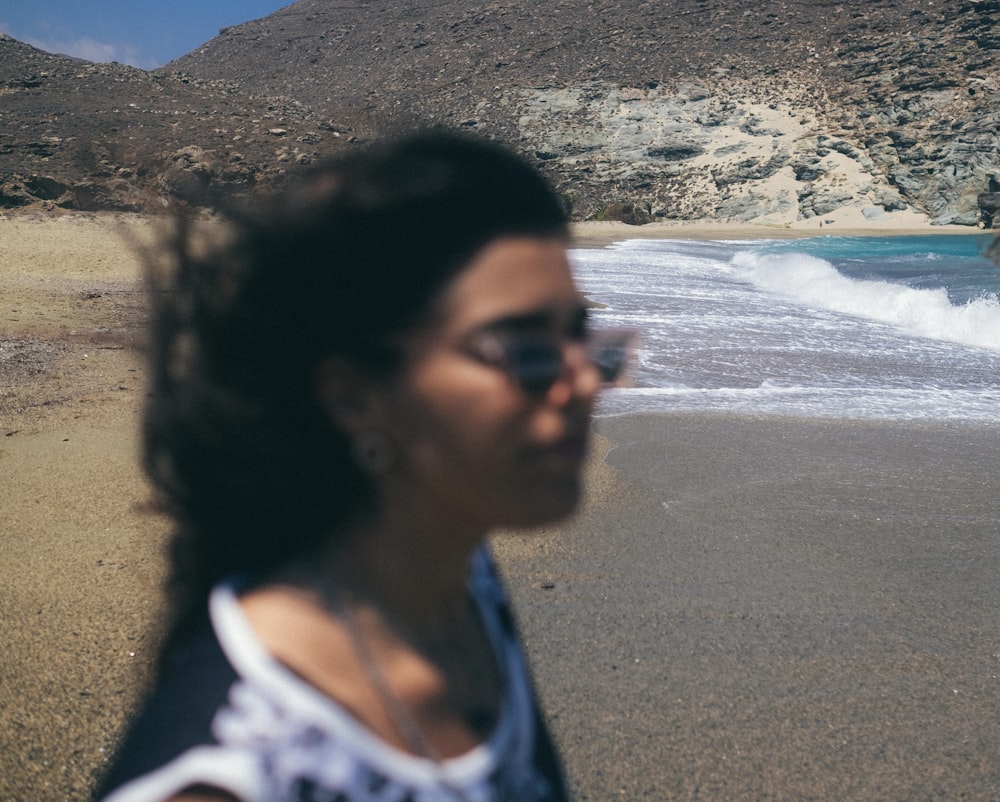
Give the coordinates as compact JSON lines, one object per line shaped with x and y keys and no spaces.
{"x":744,"y":609}
{"x":775,"y":610}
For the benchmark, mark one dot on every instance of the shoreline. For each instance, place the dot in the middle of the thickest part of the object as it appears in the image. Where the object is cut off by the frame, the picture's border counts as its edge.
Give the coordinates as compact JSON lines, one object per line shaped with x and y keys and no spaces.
{"x":594,"y":234}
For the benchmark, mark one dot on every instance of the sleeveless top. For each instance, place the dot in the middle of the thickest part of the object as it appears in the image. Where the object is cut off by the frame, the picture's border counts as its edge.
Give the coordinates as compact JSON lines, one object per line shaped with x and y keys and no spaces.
{"x":228,"y":715}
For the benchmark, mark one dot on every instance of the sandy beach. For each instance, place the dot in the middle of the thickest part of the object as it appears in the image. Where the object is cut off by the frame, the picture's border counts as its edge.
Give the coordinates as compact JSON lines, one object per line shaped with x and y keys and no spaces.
{"x":602,"y":234}
{"x":774,"y":610}
{"x":745,"y":609}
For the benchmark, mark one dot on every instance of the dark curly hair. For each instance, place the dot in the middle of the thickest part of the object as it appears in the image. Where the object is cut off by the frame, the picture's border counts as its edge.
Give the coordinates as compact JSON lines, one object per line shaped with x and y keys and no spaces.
{"x":236,"y":444}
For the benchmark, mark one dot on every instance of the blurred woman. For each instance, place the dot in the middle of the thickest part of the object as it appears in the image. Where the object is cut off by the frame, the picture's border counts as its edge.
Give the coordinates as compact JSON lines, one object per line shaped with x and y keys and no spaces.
{"x":372,"y":373}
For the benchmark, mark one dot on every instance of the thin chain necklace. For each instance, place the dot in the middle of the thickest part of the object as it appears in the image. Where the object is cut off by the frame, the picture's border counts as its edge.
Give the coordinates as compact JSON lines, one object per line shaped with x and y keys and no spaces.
{"x":402,"y":720}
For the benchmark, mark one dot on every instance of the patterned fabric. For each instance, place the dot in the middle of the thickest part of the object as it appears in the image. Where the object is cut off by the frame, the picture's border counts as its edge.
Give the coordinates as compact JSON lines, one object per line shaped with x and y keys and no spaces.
{"x":227,"y":715}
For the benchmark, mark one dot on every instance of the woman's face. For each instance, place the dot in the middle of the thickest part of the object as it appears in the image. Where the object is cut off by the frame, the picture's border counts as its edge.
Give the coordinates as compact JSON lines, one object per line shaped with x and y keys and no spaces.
{"x":476,"y":446}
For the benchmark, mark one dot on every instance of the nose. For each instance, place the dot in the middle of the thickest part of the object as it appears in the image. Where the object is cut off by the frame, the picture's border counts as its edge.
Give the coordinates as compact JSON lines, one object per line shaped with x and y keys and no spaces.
{"x":580,"y":379}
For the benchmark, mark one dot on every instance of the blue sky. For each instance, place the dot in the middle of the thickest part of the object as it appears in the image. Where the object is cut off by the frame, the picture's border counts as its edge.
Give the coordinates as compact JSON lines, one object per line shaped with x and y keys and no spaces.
{"x":143,"y":33}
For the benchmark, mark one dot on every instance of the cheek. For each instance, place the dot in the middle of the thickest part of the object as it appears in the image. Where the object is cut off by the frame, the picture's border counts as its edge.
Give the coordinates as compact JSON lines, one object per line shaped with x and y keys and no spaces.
{"x":469,"y":449}
{"x":460,"y":420}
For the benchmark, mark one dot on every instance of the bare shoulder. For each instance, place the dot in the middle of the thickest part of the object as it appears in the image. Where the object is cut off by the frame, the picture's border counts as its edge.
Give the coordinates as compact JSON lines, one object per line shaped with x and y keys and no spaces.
{"x":287,"y":621}
{"x":301,"y":634}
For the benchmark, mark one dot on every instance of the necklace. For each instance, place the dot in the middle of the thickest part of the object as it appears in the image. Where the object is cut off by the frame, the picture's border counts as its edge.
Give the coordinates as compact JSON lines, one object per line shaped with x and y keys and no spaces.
{"x":402,"y":720}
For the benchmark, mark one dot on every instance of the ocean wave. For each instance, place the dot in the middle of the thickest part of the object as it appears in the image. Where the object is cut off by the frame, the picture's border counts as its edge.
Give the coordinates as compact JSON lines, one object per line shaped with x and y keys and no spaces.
{"x":922,"y":312}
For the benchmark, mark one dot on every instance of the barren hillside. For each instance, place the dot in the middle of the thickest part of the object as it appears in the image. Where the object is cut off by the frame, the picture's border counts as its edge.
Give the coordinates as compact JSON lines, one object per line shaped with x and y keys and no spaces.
{"x":692,"y":109}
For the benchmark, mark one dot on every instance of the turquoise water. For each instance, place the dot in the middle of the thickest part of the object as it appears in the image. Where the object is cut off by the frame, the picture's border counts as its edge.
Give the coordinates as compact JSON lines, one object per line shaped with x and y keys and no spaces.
{"x":953,"y":262}
{"x":902,"y":328}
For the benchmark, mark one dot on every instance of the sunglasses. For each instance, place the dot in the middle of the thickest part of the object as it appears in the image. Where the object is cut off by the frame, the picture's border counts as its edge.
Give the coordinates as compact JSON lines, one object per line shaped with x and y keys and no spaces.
{"x":536,"y":362}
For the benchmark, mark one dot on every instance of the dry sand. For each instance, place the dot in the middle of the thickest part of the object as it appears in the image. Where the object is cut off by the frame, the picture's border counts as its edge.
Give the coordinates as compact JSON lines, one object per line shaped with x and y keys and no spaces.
{"x":81,"y":565}
{"x":601,"y":234}
{"x":745,"y":609}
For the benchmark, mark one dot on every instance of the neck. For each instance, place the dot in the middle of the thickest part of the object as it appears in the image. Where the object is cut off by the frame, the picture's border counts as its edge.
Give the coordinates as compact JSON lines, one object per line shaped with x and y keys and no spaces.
{"x":418,"y":578}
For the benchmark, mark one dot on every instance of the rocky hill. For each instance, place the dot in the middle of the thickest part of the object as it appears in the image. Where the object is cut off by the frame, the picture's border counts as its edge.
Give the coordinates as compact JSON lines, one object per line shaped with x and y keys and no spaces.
{"x":86,"y":136}
{"x":769,"y":111}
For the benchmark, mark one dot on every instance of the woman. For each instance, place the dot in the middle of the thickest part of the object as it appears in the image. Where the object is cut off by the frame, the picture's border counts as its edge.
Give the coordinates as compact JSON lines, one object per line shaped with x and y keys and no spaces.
{"x":387,"y":363}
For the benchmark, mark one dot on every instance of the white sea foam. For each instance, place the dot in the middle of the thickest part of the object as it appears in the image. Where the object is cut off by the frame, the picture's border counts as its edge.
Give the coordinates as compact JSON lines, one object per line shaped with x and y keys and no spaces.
{"x":923,"y":312}
{"x":741,"y":327}
{"x":930,"y":404}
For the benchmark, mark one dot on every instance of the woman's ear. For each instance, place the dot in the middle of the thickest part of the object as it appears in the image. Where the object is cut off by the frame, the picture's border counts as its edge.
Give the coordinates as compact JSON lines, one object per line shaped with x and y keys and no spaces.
{"x":345,"y":394}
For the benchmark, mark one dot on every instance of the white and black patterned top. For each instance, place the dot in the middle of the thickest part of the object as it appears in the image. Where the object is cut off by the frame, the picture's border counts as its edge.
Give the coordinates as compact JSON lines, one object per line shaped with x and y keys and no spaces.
{"x":227,"y":715}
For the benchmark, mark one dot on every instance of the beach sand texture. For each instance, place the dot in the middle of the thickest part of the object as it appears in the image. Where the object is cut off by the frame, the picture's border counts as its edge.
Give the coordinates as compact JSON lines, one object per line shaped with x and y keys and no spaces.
{"x":745,"y":609}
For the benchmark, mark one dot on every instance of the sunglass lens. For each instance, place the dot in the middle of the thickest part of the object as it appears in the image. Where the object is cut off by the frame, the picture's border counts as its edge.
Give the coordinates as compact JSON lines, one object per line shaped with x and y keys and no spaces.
{"x":537,"y":366}
{"x":609,"y":359}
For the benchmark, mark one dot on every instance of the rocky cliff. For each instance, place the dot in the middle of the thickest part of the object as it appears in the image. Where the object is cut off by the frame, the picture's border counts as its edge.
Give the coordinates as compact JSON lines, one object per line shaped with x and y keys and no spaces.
{"x":769,"y":111}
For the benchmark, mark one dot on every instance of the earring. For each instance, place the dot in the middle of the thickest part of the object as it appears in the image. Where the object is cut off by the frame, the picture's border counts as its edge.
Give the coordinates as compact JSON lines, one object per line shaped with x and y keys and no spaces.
{"x":373,"y":452}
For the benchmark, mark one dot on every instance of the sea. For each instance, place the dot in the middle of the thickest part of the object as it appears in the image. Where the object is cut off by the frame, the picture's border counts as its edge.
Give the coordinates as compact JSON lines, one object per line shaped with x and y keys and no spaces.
{"x":880,"y":328}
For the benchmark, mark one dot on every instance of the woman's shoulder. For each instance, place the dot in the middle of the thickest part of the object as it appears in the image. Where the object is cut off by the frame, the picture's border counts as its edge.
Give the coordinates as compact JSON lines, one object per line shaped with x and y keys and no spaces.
{"x":225,"y":716}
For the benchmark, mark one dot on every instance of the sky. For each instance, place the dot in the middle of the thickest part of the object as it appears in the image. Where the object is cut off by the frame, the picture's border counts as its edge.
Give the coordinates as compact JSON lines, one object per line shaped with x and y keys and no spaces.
{"x":143,"y":33}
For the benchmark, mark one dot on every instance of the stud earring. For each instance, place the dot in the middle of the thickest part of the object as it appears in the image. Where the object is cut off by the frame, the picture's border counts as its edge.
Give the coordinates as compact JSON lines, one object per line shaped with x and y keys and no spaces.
{"x":373,"y":452}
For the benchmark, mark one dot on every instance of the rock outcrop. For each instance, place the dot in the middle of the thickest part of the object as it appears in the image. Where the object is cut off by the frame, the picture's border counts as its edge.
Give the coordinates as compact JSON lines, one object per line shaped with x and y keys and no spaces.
{"x":770,"y":111}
